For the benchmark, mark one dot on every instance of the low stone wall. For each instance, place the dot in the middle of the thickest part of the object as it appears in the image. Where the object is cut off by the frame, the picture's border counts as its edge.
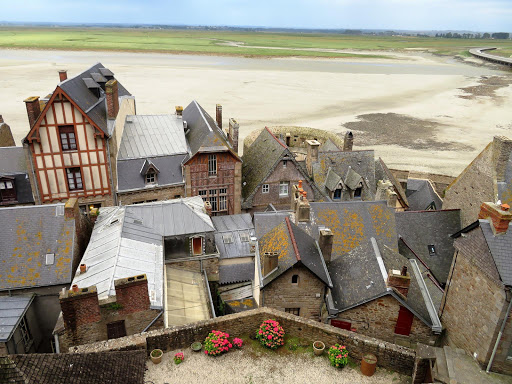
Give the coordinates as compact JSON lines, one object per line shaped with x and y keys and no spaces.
{"x":390,"y":356}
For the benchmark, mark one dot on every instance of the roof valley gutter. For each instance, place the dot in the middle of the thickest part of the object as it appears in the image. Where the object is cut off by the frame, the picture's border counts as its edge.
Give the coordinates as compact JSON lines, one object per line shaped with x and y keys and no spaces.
{"x":436,"y":323}
{"x":154,"y":320}
{"x":379,"y":259}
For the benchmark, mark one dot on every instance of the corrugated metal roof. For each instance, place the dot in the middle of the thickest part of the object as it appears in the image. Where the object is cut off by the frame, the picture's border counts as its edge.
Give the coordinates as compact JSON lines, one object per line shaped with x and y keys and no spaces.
{"x":233,"y":234}
{"x":12,"y":309}
{"x":152,"y":135}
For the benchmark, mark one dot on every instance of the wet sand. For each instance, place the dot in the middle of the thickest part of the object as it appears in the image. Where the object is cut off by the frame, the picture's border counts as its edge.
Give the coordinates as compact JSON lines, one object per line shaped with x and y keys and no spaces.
{"x":418,"y":93}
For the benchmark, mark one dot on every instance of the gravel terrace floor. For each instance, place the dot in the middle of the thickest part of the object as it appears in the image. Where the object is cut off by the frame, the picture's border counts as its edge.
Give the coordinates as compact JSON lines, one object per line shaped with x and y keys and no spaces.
{"x":251,"y":365}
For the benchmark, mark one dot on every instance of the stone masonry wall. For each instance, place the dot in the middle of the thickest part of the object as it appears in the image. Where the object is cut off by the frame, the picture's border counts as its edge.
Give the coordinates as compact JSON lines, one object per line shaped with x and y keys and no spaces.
{"x":378,"y":319}
{"x":307,"y":295}
{"x":162,"y":193}
{"x":389,"y":355}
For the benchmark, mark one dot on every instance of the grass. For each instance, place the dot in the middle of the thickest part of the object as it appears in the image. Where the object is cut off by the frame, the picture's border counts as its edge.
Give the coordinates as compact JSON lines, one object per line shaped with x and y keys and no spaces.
{"x":214,"y":42}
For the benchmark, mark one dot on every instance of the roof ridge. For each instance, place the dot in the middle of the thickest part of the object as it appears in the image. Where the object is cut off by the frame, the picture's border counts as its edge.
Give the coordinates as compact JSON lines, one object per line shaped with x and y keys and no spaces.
{"x":292,"y":237}
{"x":275,"y":138}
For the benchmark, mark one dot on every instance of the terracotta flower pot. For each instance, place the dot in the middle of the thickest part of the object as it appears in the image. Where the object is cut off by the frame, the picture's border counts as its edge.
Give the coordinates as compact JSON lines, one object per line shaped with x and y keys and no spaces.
{"x":83,"y":268}
{"x":318,"y":348}
{"x":368,"y":364}
{"x":75,"y":288}
{"x":156,"y":356}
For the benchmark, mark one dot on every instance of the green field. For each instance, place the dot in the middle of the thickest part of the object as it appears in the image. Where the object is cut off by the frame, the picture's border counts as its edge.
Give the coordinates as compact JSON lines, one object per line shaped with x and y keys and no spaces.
{"x":214,"y":42}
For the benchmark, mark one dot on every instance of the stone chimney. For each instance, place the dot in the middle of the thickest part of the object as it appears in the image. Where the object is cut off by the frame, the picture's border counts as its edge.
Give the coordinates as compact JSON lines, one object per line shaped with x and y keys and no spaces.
{"x":132,"y":294}
{"x":112,"y":95}
{"x":6,"y":137}
{"x":219,"y":115}
{"x":325,"y":241}
{"x":399,"y":281}
{"x":79,"y":307}
{"x":33,"y":109}
{"x":179,"y":110}
{"x":71,"y":209}
{"x":208,"y":208}
{"x":385,"y":191}
{"x":234,"y":129}
{"x":498,"y":215}
{"x":501,"y":149}
{"x":312,"y":155}
{"x":270,"y":262}
{"x":63,"y":75}
{"x":348,"y":142}
{"x":303,"y":209}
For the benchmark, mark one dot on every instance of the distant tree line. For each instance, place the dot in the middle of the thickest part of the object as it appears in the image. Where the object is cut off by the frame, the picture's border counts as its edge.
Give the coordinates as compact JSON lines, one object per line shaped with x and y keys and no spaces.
{"x":455,"y":35}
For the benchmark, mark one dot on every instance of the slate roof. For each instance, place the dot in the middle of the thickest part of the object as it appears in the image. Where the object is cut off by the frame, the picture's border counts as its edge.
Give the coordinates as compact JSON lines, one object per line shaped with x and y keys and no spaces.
{"x":13,"y":164}
{"x":12,"y":310}
{"x":421,"y":193}
{"x":203,"y":133}
{"x":93,"y":106}
{"x":27,"y":235}
{"x":127,"y":367}
{"x":232,"y":235}
{"x":237,"y":306}
{"x":419,"y":229}
{"x":501,"y":248}
{"x":382,"y":172}
{"x":264,"y":222}
{"x":236,"y":273}
{"x":293,"y":246}
{"x":332,"y":180}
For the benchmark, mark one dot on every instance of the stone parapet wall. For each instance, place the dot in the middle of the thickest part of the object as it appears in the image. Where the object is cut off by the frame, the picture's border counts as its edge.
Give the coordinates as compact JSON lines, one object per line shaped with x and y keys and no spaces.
{"x":159,"y":193}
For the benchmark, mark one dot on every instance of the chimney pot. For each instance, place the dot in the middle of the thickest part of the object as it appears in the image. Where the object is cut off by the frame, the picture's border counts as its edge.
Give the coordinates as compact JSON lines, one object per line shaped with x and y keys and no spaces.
{"x":208,"y":208}
{"x":63,"y":75}
{"x":219,"y":115}
{"x":112,"y":96}
{"x":83,"y":268}
{"x":1,"y":119}
{"x":498,"y":215}
{"x":179,"y":110}
{"x":504,"y":207}
{"x":398,"y":281}
{"x":75,"y":288}
{"x":300,"y":185}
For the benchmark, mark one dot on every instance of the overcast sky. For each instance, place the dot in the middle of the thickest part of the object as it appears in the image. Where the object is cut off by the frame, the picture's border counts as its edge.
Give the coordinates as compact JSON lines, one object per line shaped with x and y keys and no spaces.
{"x":475,"y":15}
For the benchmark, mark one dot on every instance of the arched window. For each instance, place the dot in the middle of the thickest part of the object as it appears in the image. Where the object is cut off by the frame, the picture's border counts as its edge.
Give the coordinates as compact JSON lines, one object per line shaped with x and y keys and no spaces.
{"x":295,"y":279}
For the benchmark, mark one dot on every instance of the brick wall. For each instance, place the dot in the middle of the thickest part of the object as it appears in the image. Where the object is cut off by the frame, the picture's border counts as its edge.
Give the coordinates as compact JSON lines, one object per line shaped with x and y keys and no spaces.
{"x":132,"y":294}
{"x":378,"y":318}
{"x":160,"y":193}
{"x":281,"y":293}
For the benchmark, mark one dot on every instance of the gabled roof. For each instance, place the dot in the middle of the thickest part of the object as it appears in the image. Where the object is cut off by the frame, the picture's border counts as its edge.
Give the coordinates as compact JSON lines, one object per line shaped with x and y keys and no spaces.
{"x":27,"y":235}
{"x":332,"y":180}
{"x":329,"y":146}
{"x":12,"y":310}
{"x":294,"y":246}
{"x":420,"y":229}
{"x":421,"y":195}
{"x":13,"y":165}
{"x":382,"y":172}
{"x":353,"y":179}
{"x":203,"y":133}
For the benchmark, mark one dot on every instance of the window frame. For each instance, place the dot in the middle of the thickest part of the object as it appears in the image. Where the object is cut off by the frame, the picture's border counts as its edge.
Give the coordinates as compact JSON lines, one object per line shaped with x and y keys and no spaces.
{"x":283,"y":184}
{"x":294,"y":311}
{"x":26,"y":336}
{"x":212,"y":165}
{"x":150,"y":174}
{"x":296,"y":278}
{"x":68,"y":131}
{"x":265,"y":188}
{"x":73,"y":171}
{"x":358,"y":192}
{"x":8,"y":194}
{"x":337,"y":190}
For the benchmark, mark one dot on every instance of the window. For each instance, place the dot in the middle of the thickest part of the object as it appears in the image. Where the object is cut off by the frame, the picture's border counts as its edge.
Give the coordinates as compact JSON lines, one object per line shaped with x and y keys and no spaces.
{"x":283,"y":188}
{"x":244,"y":237}
{"x":74,"y":178}
{"x":150,"y":177}
{"x":197,"y":245}
{"x":67,"y":137}
{"x":227,"y":238}
{"x":358,"y":192}
{"x":223,"y":203}
{"x":213,"y":200}
{"x":284,"y":163}
{"x":50,"y":258}
{"x":337,"y":194}
{"x":264,"y":188}
{"x":26,"y":337}
{"x":116,"y":329}
{"x":431,"y":250}
{"x":7,"y":190}
{"x":203,"y":194}
{"x":212,"y":165}
{"x":217,"y":197}
{"x":295,"y":279}
{"x":293,"y":311}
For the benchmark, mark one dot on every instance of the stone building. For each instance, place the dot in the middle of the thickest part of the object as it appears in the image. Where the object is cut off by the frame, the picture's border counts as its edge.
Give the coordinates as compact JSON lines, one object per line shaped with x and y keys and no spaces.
{"x":294,"y":273}
{"x":214,"y":169}
{"x":15,"y":178}
{"x":269,"y":172}
{"x":6,"y":138}
{"x":150,"y":159}
{"x":477,"y":302}
{"x":19,"y":330}
{"x":422,"y":195}
{"x":487,"y":178}
{"x":74,"y":135}
{"x":41,"y":248}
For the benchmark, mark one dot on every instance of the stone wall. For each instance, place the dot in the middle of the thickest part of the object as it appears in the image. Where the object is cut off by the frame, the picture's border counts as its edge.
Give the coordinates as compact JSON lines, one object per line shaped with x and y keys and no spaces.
{"x":307,"y":294}
{"x":211,"y":265}
{"x":440,"y":182}
{"x":378,"y":318}
{"x":157,"y":193}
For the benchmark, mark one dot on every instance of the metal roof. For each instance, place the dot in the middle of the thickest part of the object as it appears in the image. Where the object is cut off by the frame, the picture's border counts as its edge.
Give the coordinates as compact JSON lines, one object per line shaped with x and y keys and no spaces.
{"x":233,"y":234}
{"x":152,"y":135}
{"x":12,"y":309}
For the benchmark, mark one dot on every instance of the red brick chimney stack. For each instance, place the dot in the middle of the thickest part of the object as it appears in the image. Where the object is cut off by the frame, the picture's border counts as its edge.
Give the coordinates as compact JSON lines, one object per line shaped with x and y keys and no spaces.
{"x":71,"y":209}
{"x":132,"y":294}
{"x":499,"y":215}
{"x":33,"y":109}
{"x":399,"y":280}
{"x":80,"y":308}
{"x":63,"y":75}
{"x":219,"y":115}
{"x":112,"y":93}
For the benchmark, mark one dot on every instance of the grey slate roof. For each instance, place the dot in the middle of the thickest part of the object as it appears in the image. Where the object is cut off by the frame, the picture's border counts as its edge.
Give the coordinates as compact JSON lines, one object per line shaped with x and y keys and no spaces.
{"x":27,"y":235}
{"x":419,"y":229}
{"x":228,"y":236}
{"x":501,"y":250}
{"x":264,"y":222}
{"x":236,"y":273}
{"x":13,"y":164}
{"x":12,"y":310}
{"x":332,"y":180}
{"x":421,"y":193}
{"x":93,"y":106}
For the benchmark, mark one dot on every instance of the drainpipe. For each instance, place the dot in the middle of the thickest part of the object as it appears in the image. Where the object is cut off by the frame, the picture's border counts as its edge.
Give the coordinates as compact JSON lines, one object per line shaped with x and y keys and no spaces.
{"x":499,"y":336}
{"x":57,"y":345}
{"x":153,"y":321}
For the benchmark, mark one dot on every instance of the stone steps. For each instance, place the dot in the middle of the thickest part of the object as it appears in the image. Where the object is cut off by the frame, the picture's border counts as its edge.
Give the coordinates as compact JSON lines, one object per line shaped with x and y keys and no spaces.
{"x":444,"y":371}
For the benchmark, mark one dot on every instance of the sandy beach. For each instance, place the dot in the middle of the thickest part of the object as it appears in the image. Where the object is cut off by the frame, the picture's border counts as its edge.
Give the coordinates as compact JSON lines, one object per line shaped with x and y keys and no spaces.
{"x":418,"y":111}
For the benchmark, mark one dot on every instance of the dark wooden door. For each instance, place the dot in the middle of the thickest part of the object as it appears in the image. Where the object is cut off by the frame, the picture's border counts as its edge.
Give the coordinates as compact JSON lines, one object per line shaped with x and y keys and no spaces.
{"x":116,"y":329}
{"x":341,"y":324}
{"x":404,"y":322}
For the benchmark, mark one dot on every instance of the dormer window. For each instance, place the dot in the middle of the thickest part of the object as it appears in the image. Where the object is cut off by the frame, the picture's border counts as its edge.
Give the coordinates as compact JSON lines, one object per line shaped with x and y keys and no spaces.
{"x":149,"y":171}
{"x":7,"y":190}
{"x":150,"y":177}
{"x":67,"y":137}
{"x":358,"y":192}
{"x":337,"y":194}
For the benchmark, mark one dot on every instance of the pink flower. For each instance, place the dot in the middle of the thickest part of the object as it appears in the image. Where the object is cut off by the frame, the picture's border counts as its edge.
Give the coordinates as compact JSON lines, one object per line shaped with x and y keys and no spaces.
{"x":205,"y":352}
{"x":269,"y":337}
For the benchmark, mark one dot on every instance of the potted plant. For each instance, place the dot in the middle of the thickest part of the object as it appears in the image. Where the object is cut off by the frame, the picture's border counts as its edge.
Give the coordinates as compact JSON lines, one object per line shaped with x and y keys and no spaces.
{"x":178,"y":358}
{"x":318,"y":348}
{"x":196,"y":346}
{"x":270,"y":334}
{"x":368,"y":364}
{"x":338,"y":356}
{"x":156,"y":356}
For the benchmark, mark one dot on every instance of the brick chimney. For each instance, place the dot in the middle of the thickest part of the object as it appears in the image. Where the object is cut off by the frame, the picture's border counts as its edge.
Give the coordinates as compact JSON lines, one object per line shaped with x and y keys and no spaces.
{"x":80,"y":308}
{"x":179,"y":110}
{"x":348,"y":142}
{"x":233,"y":133}
{"x":312,"y":154}
{"x":325,"y":241}
{"x":270,"y":262}
{"x":303,"y":209}
{"x":33,"y":109}
{"x":71,"y":209}
{"x":63,"y":75}
{"x":399,"y":281}
{"x":499,"y":215}
{"x":112,"y":95}
{"x":132,"y":294}
{"x":218,"y":115}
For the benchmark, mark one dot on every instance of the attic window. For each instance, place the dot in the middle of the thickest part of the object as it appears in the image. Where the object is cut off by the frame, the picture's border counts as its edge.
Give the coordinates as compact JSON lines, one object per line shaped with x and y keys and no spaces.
{"x":431,"y":250}
{"x":358,"y":191}
{"x":244,"y":237}
{"x":50,"y":258}
{"x":227,"y":238}
{"x":150,"y":177}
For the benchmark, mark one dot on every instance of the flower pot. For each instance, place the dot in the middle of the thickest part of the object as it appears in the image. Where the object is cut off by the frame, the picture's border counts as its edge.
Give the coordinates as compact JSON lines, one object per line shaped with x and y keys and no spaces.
{"x":196,"y":347}
{"x":83,"y":268}
{"x":368,"y":364}
{"x":318,"y":348}
{"x":156,"y":356}
{"x":75,"y":288}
